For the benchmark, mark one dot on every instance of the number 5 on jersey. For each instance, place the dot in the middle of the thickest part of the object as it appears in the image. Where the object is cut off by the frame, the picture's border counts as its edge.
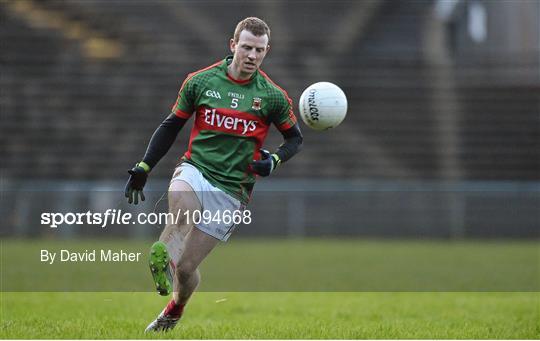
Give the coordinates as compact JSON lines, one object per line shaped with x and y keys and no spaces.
{"x":234,"y":103}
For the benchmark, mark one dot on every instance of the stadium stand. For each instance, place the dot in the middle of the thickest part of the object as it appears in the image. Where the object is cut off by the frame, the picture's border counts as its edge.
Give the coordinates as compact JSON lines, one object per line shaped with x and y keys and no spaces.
{"x":85,"y":83}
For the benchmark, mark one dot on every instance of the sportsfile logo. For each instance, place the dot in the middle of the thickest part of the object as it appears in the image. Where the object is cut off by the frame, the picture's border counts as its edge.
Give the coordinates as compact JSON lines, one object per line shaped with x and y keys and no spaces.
{"x":213,"y":118}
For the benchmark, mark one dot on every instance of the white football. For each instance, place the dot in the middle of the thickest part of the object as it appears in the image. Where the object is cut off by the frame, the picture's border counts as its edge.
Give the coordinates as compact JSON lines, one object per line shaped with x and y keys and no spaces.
{"x":323,"y":105}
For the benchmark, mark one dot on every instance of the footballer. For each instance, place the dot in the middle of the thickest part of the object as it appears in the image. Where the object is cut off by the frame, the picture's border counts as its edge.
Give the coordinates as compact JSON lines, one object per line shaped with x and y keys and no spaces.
{"x":234,"y":103}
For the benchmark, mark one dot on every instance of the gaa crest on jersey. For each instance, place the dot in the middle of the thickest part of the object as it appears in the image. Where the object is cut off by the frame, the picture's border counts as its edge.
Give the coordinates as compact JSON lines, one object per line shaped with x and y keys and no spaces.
{"x":256,"y":105}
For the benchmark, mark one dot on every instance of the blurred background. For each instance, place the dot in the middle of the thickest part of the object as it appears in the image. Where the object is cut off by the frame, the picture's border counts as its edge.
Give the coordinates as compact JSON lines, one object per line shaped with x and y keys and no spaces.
{"x":442,"y":136}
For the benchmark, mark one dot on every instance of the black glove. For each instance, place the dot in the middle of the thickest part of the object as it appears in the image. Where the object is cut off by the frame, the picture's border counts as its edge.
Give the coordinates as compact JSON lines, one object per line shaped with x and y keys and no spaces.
{"x":266,"y":164}
{"x":136,"y":182}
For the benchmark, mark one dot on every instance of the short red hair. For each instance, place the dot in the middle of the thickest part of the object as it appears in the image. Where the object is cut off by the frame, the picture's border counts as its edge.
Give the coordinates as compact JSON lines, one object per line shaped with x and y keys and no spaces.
{"x":254,"y":25}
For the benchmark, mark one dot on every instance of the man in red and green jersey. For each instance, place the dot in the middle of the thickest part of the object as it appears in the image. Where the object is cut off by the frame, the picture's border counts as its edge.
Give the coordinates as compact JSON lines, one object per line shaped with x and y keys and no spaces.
{"x":234,"y":103}
{"x":232,"y":119}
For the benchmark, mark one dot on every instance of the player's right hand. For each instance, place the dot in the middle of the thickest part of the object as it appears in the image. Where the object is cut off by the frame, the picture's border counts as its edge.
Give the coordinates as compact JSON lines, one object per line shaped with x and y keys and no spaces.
{"x":135,"y":184}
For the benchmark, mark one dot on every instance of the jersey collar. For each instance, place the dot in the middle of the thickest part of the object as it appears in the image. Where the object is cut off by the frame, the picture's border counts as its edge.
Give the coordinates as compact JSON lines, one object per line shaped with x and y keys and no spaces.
{"x":227,"y":61}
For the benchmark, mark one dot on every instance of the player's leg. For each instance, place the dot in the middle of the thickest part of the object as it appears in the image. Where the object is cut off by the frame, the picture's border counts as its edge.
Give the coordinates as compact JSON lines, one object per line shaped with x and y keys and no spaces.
{"x":182,"y":200}
{"x":165,"y":253}
{"x":198,"y":245}
{"x":201,"y":240}
{"x":198,"y":242}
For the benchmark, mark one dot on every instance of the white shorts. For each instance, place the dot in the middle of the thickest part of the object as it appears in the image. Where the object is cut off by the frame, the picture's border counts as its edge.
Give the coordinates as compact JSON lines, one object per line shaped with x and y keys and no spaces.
{"x":214,"y":203}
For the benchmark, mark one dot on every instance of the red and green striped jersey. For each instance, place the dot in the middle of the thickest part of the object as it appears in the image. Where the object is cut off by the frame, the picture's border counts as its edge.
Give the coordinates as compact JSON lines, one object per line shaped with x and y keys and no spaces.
{"x":232,"y":119}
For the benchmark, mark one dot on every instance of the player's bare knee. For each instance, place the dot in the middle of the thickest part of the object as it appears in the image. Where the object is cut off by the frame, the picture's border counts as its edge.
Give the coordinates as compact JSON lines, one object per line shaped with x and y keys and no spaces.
{"x":183,"y":276}
{"x":186,"y":268}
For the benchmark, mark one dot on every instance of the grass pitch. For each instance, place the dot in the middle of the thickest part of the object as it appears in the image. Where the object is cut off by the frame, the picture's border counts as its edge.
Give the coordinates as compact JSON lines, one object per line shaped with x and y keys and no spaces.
{"x":272,"y":299}
{"x":294,"y":265}
{"x":275,"y":315}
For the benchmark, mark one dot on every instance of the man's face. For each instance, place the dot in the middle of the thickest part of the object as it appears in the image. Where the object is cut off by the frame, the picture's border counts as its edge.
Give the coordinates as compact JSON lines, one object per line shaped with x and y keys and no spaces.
{"x":249,"y":52}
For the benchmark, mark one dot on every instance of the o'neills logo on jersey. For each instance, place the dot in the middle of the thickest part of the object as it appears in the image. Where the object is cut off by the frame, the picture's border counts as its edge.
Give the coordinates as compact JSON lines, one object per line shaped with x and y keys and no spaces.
{"x":235,"y":124}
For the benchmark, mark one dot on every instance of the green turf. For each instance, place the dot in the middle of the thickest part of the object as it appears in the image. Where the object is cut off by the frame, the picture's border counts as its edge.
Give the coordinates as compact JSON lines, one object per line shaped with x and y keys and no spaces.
{"x":327,"y":291}
{"x":276,"y":315}
{"x":290,"y":265}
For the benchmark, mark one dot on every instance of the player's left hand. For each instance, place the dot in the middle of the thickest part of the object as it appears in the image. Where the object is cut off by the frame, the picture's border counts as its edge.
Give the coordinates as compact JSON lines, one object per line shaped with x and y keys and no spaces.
{"x":266,"y":164}
{"x":135,"y":184}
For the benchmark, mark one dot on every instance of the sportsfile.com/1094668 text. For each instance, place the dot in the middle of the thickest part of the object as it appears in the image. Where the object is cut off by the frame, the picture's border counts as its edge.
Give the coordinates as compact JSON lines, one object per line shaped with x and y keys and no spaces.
{"x":118,"y":217}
